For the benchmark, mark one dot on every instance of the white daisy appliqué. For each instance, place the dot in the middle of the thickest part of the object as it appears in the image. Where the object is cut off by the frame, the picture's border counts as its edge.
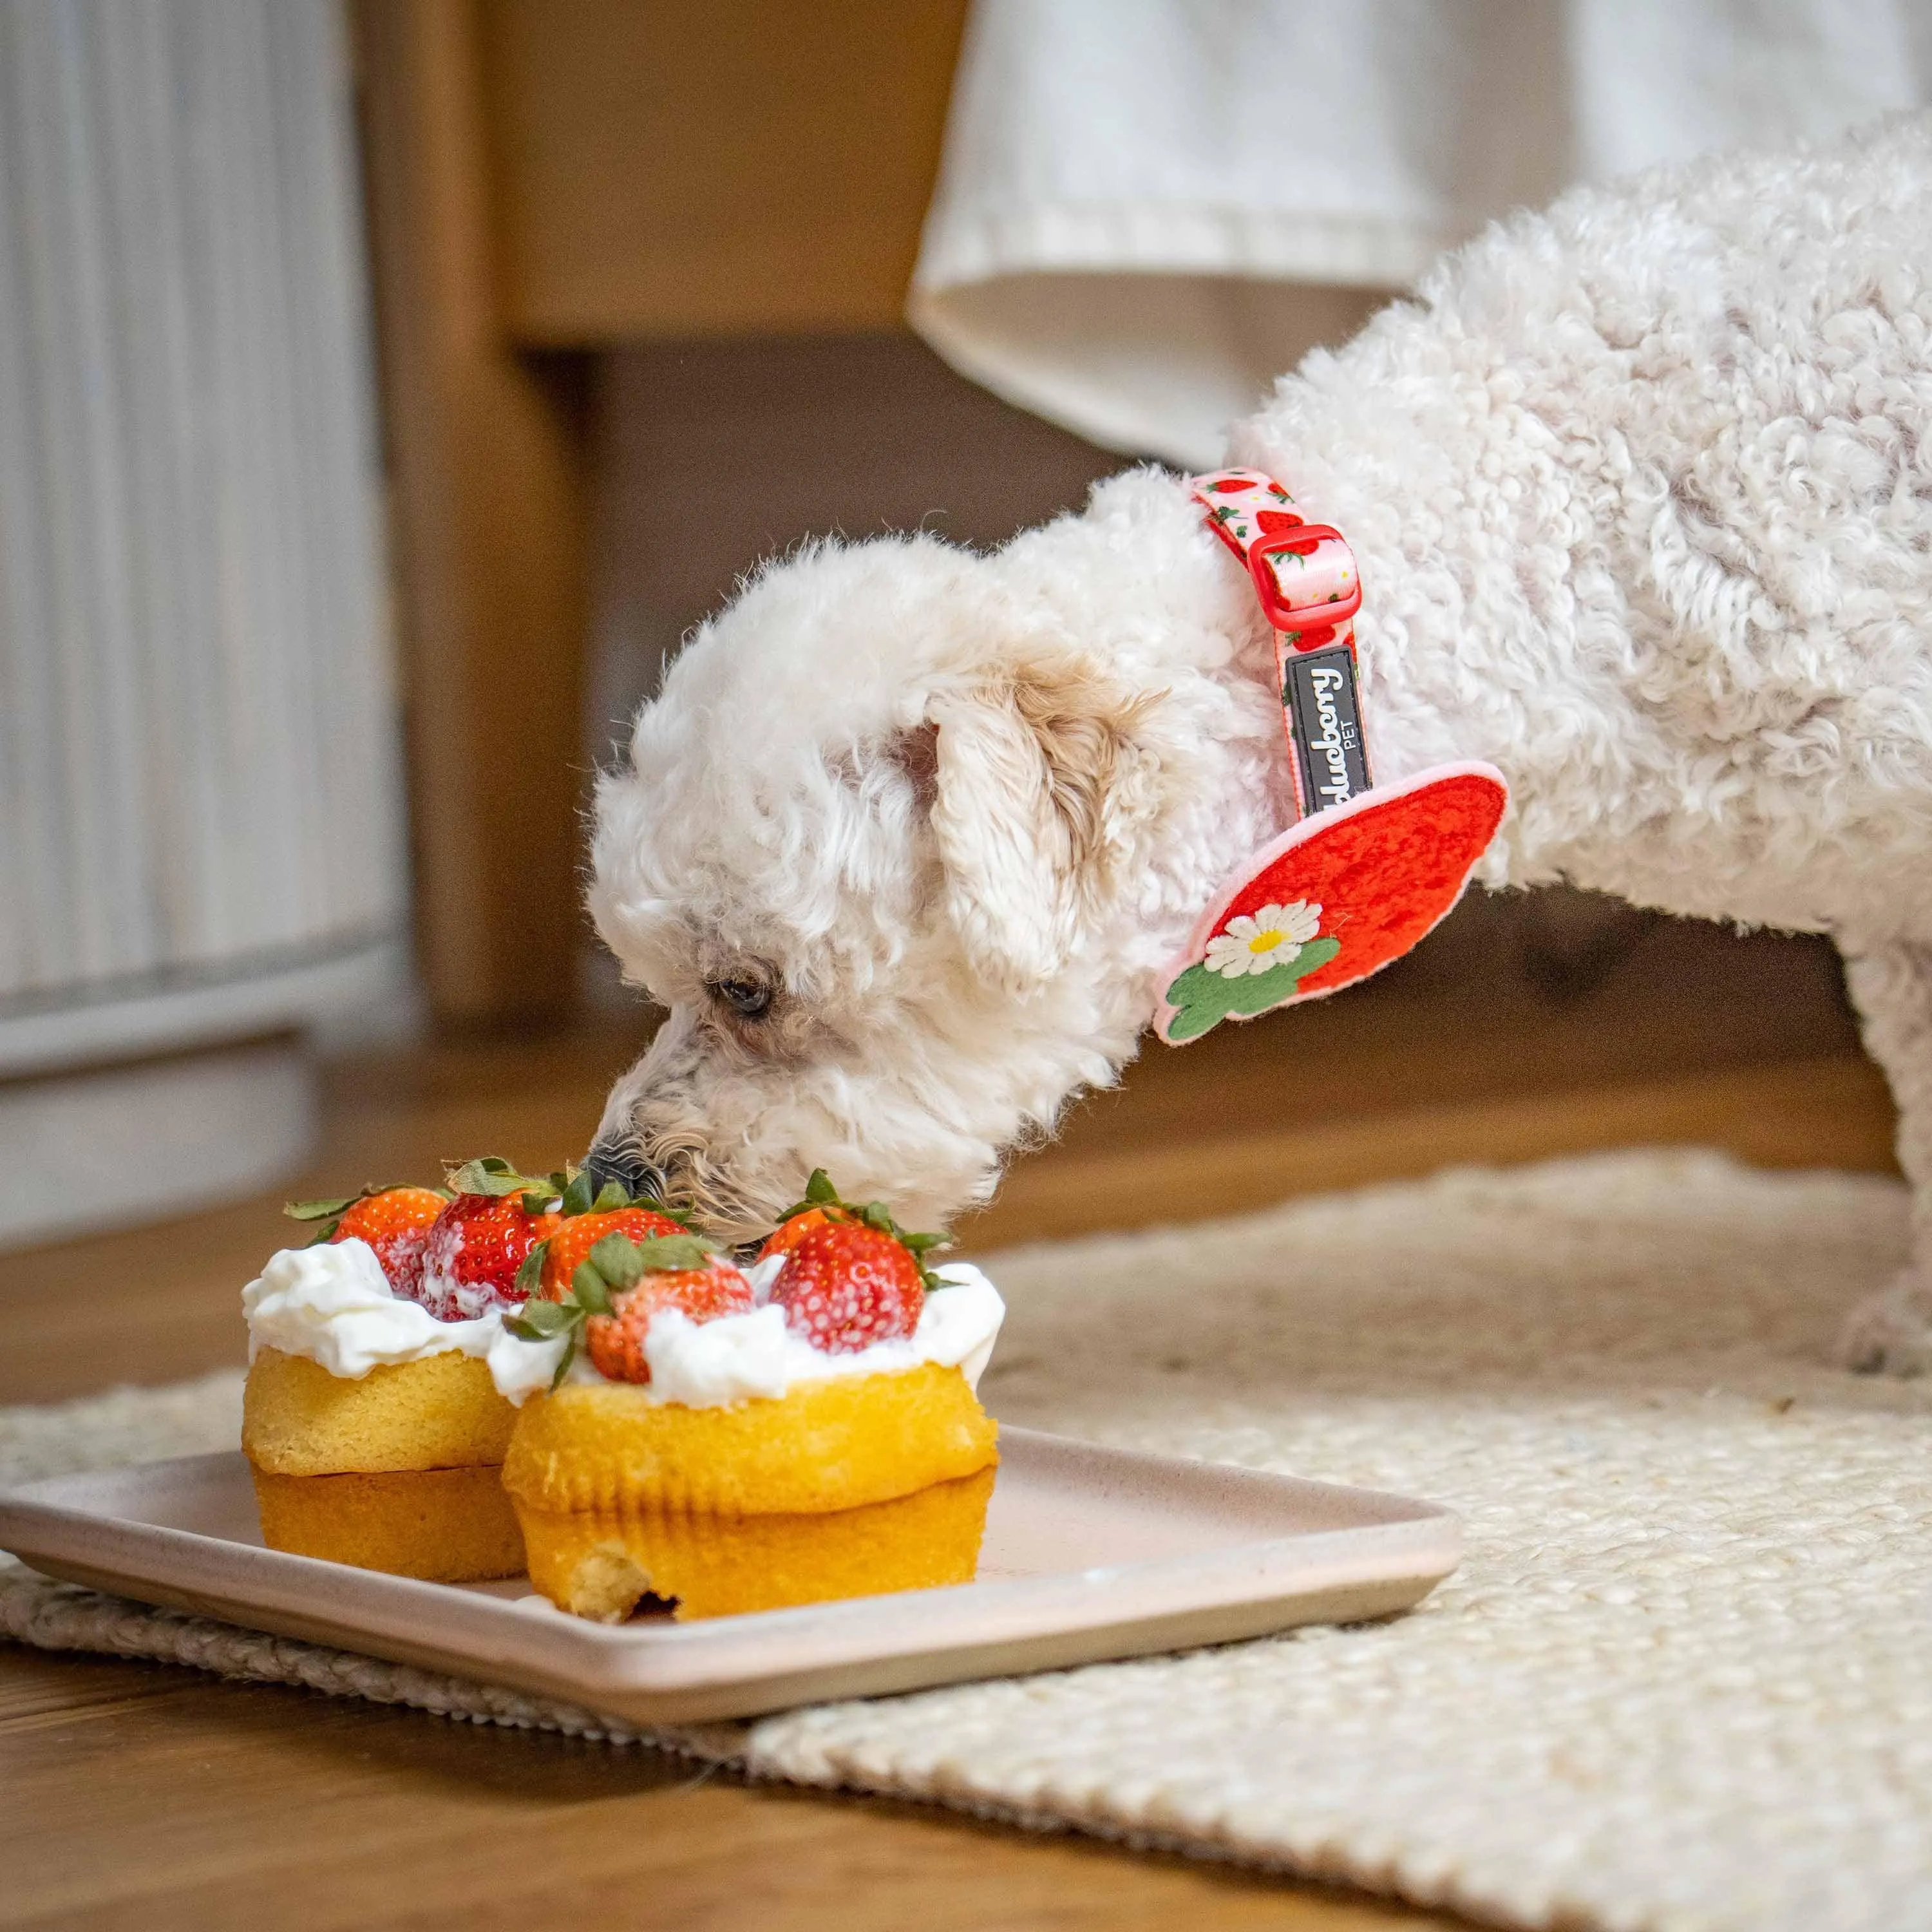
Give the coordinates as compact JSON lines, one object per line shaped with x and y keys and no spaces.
{"x":1271,"y":936}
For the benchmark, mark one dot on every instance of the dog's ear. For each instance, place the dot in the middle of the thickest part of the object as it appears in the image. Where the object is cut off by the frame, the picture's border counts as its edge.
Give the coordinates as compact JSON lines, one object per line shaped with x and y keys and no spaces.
{"x":1038,"y":777}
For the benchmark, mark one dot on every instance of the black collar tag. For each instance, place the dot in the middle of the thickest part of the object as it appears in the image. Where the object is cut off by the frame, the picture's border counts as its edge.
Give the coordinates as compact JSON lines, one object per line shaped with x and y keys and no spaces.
{"x":1320,"y":695}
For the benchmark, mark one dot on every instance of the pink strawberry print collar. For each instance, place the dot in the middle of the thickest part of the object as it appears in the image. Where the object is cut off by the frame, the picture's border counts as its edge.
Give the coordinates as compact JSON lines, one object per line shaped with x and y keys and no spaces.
{"x":1364,"y":873}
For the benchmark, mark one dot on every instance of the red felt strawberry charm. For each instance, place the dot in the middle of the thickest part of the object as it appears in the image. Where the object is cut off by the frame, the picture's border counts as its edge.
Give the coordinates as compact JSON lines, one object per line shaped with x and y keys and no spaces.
{"x":394,"y":1221}
{"x":481,"y":1240}
{"x":1366,"y":873}
{"x":1336,"y":899}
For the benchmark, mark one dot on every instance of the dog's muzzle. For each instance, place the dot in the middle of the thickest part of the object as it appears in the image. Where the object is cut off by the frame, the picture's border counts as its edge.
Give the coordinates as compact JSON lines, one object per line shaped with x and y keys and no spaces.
{"x":612,"y":1160}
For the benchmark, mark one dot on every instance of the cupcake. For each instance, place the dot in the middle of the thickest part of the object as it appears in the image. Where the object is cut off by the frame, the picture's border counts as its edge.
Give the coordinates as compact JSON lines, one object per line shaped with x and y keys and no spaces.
{"x":370,"y":1420}
{"x":745,"y":1440}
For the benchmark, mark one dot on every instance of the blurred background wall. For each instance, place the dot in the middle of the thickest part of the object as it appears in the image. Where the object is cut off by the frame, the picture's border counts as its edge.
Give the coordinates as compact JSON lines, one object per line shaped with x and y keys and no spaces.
{"x":616,"y":248}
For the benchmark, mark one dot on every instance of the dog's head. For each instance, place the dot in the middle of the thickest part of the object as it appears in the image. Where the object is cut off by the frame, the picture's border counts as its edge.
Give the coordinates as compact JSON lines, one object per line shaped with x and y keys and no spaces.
{"x":871,"y":847}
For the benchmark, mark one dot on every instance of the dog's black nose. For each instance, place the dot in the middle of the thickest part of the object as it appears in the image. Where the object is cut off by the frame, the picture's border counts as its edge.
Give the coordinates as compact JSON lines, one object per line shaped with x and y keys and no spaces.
{"x":612,"y":1160}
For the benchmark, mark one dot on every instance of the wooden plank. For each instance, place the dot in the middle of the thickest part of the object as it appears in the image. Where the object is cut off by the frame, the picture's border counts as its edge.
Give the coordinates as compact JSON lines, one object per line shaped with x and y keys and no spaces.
{"x":487,"y":459}
{"x":227,"y":1806}
{"x":1832,"y":1112}
{"x":669,"y":167}
{"x":140,"y":1795}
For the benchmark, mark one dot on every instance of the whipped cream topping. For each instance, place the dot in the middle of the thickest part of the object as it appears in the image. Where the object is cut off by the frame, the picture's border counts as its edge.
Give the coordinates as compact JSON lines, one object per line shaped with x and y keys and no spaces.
{"x":334,"y":1305}
{"x":739,"y":1357}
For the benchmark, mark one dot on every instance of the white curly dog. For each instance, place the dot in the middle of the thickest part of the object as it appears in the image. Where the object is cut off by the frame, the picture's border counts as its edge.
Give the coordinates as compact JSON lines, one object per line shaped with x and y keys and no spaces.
{"x":1642,"y":492}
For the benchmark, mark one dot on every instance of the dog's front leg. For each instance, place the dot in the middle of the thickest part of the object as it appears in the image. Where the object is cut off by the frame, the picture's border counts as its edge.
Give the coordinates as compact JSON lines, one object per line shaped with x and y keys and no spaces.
{"x":1891,"y":985}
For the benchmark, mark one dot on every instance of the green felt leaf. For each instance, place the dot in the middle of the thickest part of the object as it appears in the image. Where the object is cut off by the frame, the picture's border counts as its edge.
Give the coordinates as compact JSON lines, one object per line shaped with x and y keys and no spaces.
{"x":819,"y":1191}
{"x":1202,"y":999}
{"x":578,"y":1195}
{"x":612,"y":1196}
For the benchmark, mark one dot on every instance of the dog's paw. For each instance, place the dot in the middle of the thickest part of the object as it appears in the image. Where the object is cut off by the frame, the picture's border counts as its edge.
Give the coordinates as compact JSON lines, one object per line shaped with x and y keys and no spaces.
{"x":1890,"y":1332}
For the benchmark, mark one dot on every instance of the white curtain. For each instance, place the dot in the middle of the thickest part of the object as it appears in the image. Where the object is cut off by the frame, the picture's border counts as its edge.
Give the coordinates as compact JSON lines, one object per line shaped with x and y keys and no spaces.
{"x":1150,"y":209}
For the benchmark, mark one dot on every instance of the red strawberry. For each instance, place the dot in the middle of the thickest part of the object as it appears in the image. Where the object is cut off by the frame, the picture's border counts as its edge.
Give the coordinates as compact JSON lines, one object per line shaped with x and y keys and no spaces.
{"x":479,"y":1242}
{"x":847,"y":1284}
{"x":616,"y":1341}
{"x":623,"y":1281}
{"x":393,"y":1220}
{"x":396,"y":1223}
{"x":564,"y":1250}
{"x":793,"y":1230}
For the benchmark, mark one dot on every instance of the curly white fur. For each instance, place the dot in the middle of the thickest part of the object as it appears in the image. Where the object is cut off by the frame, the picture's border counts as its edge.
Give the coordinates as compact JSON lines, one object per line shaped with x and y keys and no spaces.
{"x":1642,"y":492}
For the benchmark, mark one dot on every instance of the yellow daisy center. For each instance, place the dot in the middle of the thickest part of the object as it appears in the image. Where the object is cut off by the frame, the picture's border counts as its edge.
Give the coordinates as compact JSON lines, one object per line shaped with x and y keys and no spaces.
{"x":1267,"y":942}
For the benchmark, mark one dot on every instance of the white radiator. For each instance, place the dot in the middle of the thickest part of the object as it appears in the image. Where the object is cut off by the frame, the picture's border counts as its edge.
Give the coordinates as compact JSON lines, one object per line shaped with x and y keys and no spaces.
{"x":200,"y":824}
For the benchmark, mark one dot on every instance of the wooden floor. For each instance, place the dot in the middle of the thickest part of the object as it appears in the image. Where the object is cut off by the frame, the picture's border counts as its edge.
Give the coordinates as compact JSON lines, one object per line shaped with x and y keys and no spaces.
{"x":138,"y":1794}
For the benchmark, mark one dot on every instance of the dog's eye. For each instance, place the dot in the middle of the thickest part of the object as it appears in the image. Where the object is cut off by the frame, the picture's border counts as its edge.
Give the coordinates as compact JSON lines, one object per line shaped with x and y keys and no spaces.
{"x":750,"y":999}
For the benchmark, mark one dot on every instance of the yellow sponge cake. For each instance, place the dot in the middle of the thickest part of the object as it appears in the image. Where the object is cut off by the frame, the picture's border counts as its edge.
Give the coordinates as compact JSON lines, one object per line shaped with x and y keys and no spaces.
{"x":840,"y":1487}
{"x":375,"y":1433}
{"x":736,"y":1442}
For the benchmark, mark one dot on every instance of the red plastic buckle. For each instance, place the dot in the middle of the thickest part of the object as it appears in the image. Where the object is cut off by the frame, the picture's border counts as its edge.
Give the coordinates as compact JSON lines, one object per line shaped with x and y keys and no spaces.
{"x":1304,"y":540}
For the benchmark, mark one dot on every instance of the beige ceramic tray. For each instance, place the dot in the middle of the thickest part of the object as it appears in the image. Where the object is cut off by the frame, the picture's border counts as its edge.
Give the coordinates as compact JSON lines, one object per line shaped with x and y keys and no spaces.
{"x":1090,"y":1553}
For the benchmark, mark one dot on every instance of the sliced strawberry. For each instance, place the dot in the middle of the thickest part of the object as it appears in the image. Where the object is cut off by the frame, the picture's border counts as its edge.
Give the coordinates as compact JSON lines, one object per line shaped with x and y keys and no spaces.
{"x":848,"y":1284}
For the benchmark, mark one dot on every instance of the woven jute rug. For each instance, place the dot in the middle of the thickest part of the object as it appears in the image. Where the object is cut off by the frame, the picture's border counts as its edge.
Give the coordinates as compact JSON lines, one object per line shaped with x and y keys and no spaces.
{"x":1684,"y":1680}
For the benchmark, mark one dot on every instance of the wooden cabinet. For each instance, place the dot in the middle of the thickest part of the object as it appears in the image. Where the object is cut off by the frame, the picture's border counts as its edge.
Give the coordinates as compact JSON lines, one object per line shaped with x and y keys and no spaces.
{"x":548,"y":178}
{"x":673,"y":169}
